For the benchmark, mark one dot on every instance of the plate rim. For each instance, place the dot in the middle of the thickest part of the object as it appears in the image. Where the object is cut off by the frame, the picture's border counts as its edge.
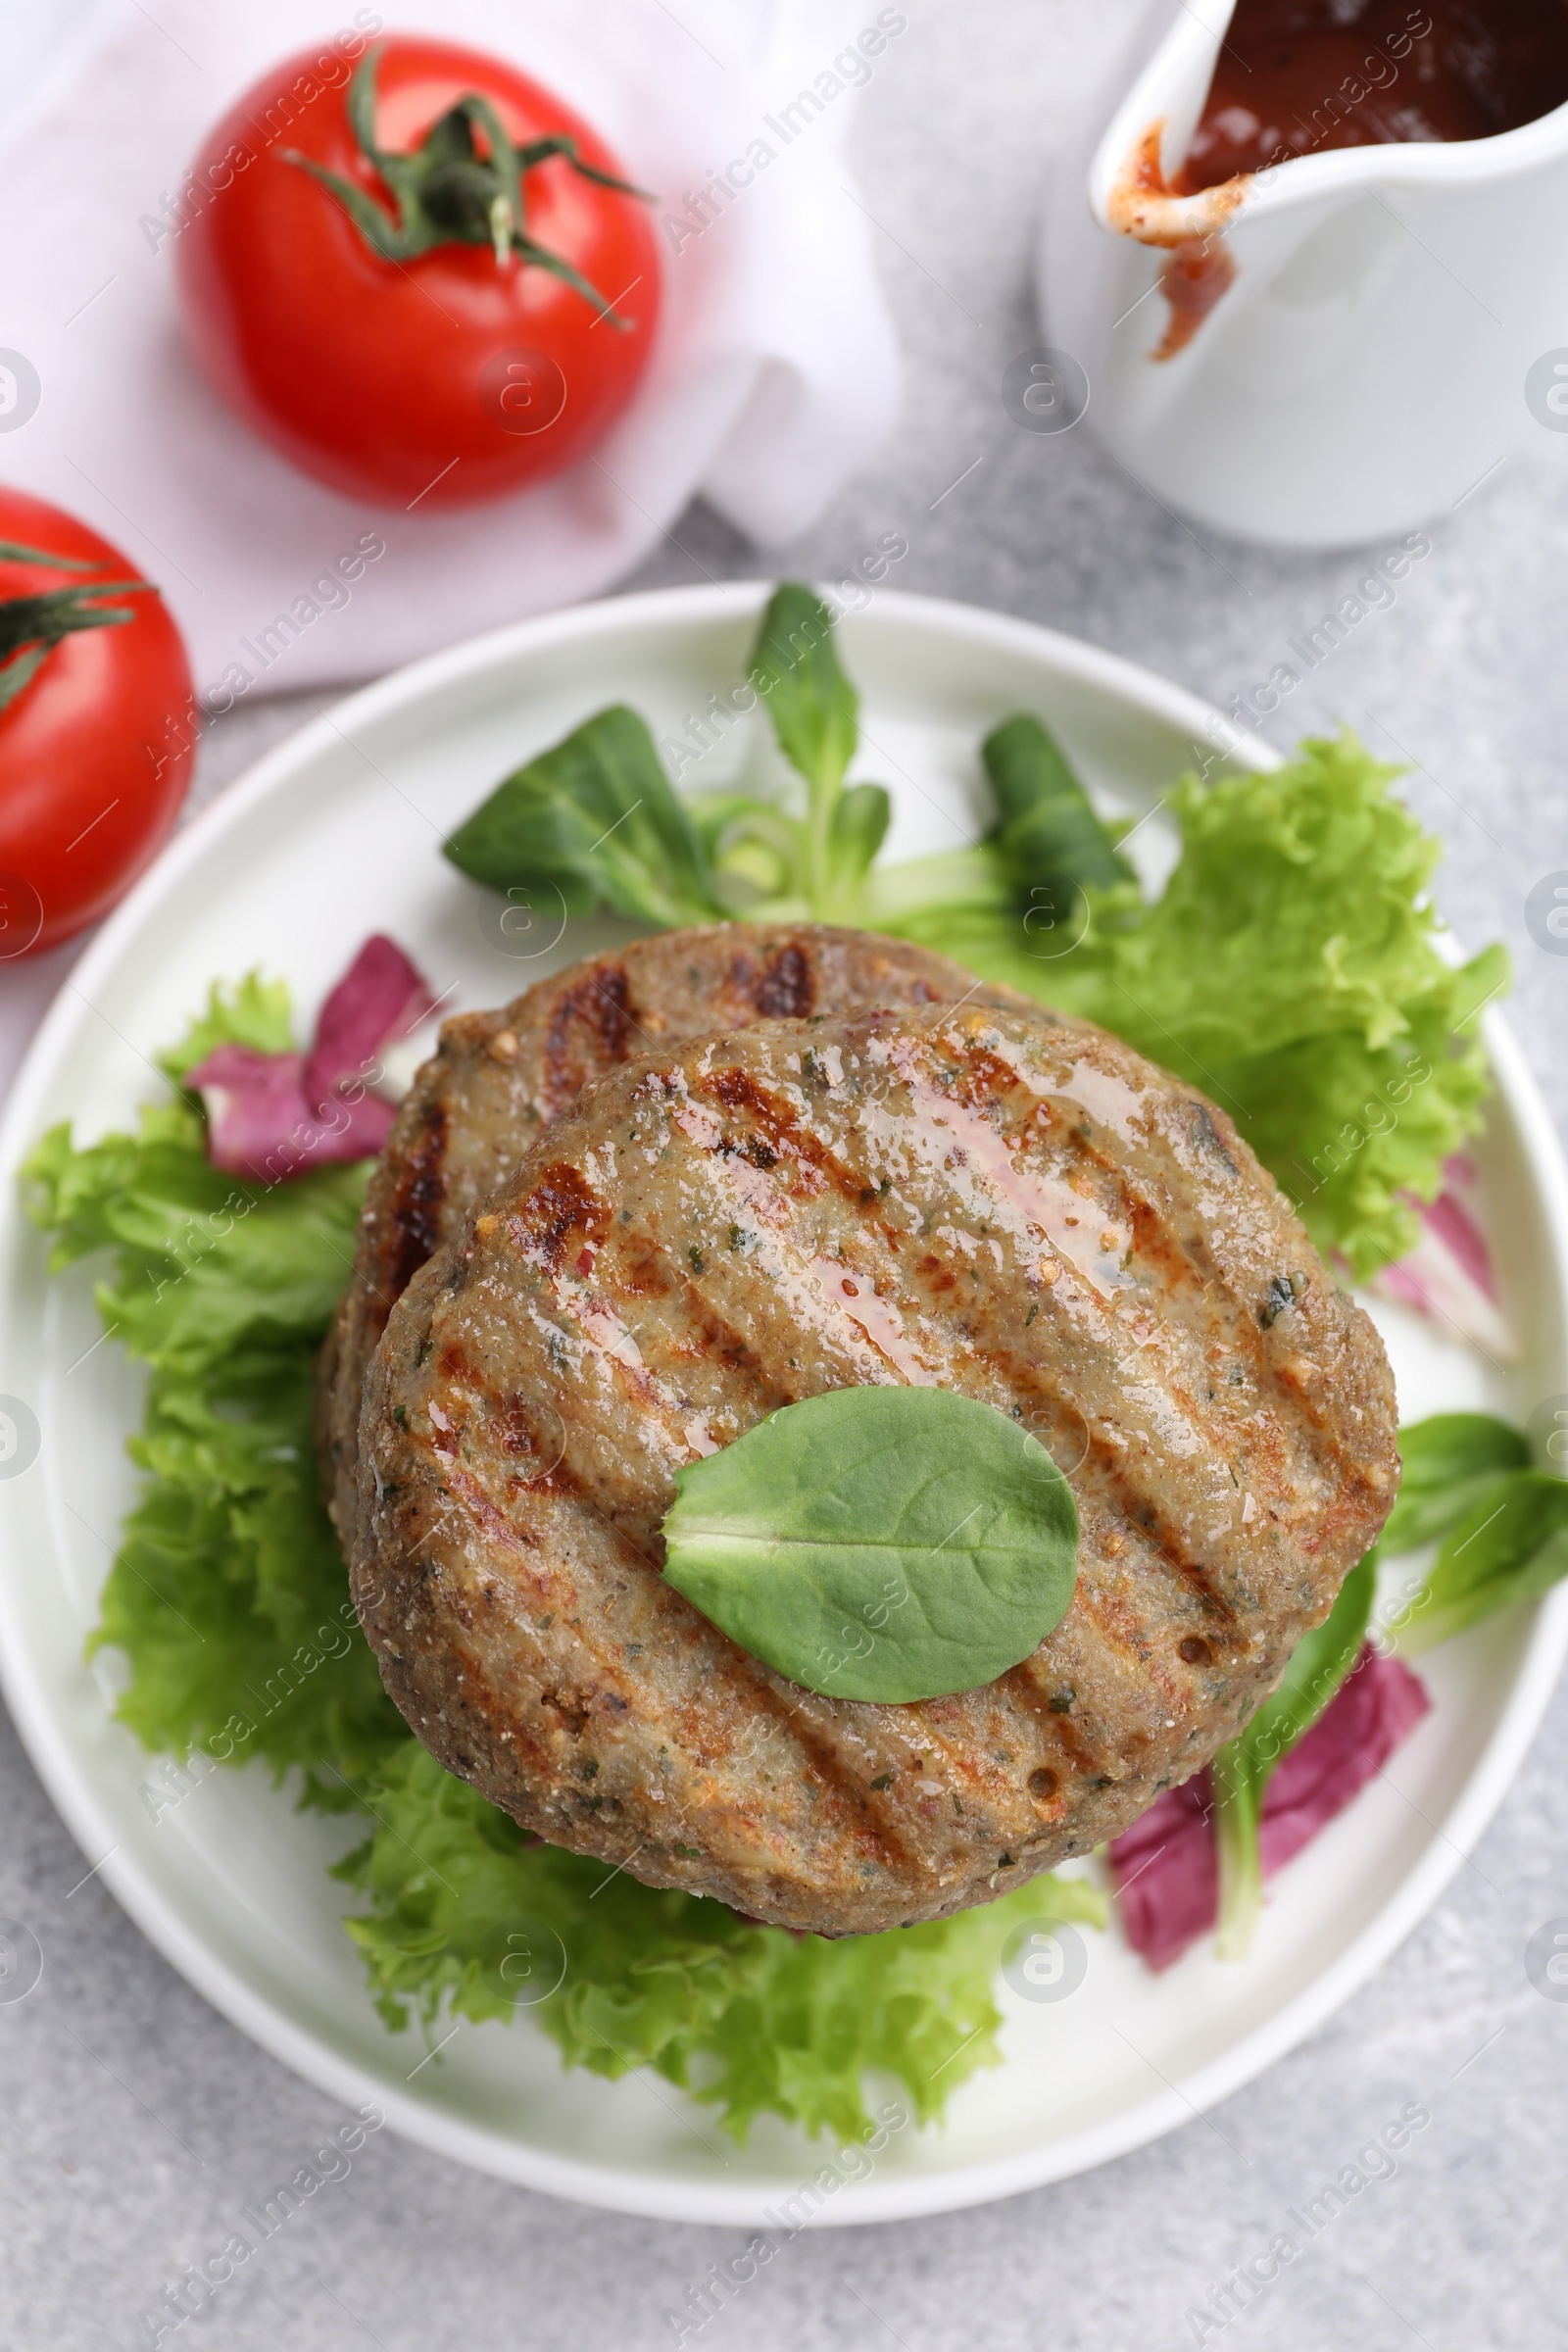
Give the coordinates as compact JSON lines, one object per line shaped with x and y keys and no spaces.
{"x":604,"y":2185}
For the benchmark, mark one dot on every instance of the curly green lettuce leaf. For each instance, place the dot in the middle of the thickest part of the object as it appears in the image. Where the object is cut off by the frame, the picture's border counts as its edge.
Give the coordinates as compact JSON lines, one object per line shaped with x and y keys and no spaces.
{"x":210,"y":1269}
{"x":1291,"y":969}
{"x":471,"y":1917}
{"x":228,"y":1596}
{"x":253,"y":1013}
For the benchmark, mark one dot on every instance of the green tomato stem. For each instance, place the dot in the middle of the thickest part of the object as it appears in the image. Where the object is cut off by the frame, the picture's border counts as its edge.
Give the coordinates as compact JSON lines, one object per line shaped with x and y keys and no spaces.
{"x":449,"y":191}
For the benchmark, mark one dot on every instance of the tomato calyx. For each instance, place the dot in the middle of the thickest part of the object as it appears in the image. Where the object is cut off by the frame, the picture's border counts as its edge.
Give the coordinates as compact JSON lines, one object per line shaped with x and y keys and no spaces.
{"x":31,"y":627}
{"x":449,"y":191}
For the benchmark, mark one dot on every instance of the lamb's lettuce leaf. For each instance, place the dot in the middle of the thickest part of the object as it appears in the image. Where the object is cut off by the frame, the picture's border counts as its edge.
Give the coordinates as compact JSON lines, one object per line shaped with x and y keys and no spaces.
{"x":597,"y":821}
{"x":1448,"y":1460}
{"x":1318,"y":1665}
{"x":1503,"y":1528}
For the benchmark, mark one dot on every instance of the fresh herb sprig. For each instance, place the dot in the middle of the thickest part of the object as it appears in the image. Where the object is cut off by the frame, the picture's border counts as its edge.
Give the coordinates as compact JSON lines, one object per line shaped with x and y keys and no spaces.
{"x":596,"y":821}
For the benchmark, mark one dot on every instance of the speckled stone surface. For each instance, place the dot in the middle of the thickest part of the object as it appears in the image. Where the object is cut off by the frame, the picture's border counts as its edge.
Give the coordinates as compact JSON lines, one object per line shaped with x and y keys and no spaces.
{"x":137,"y":2122}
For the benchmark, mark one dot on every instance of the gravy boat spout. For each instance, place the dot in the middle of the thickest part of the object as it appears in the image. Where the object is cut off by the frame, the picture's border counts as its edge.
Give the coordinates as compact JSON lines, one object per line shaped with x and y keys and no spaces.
{"x":1327,"y":351}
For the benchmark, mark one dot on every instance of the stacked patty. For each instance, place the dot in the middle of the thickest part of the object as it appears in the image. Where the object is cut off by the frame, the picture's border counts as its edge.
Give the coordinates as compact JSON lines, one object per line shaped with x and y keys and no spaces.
{"x":500,"y":1078}
{"x":963,"y":1194}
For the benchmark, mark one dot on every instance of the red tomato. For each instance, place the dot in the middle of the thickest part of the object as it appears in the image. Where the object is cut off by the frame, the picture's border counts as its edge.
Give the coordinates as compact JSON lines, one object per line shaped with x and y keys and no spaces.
{"x":439,"y":379}
{"x":96,"y":748}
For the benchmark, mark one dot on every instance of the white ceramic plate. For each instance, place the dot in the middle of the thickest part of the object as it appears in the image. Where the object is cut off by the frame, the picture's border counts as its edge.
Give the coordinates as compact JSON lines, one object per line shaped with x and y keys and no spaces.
{"x":338,"y":833}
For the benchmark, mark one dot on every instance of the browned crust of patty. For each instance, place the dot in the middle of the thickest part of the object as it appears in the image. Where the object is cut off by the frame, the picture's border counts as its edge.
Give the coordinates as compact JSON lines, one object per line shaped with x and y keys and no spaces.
{"x":498,"y":1079}
{"x":1025,"y":1212}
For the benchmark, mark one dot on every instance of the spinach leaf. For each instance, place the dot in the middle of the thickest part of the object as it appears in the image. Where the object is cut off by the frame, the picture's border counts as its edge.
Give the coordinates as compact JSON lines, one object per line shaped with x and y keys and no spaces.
{"x":596,"y":821}
{"x":1047,"y":837}
{"x":884,"y":1543}
{"x":1510,"y":1545}
{"x":1319,"y":1664}
{"x":1449,"y":1460}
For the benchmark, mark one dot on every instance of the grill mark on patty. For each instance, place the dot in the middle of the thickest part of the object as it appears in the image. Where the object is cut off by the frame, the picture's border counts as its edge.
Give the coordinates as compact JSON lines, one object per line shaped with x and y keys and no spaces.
{"x":1144,"y":1517}
{"x":1031,"y":1687}
{"x":1159,"y":1247}
{"x":559,"y":1206}
{"x":787,"y":988}
{"x":784,"y":988}
{"x":961,"y":1759}
{"x":507,"y":1420}
{"x":821,"y":1290}
{"x":601,"y":1005}
{"x":782,"y":1130}
{"x":413,"y":1214}
{"x":1028,"y":1385}
{"x":1041,"y":1197}
{"x":1150,"y":1219}
{"x":479,"y":1706}
{"x":681,"y":1425}
{"x":717,"y":1339}
{"x":513,"y":1430}
{"x":1179,"y":1281}
{"x":818,"y":1746}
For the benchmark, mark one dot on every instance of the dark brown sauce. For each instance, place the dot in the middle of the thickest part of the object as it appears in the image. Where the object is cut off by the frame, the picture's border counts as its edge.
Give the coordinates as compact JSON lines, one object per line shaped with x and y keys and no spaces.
{"x":1298,"y":76}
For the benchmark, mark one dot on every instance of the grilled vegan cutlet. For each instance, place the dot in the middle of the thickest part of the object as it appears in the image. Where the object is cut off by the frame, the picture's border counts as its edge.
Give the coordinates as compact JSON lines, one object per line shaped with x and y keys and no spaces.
{"x":974,"y":1196}
{"x":500,"y":1078}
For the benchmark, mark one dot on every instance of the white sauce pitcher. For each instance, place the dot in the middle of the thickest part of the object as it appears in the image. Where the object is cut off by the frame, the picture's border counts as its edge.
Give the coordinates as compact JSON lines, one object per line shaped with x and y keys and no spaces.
{"x":1367,"y":367}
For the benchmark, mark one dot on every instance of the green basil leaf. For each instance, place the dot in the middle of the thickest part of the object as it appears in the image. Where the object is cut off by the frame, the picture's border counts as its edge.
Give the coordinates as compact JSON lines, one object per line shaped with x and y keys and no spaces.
{"x":596,"y":821}
{"x":1047,"y":834}
{"x":879,"y":1544}
{"x":1318,"y":1665}
{"x":813,"y":708}
{"x":1512,"y":1546}
{"x":1451,"y":1459}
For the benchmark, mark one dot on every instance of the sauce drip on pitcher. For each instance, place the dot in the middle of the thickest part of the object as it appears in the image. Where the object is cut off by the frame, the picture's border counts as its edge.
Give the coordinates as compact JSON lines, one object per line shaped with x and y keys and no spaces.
{"x":1298,"y":76}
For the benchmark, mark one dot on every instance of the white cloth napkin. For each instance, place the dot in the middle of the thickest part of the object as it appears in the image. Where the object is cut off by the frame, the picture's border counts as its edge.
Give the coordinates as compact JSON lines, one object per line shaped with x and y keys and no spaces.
{"x":775,"y":374}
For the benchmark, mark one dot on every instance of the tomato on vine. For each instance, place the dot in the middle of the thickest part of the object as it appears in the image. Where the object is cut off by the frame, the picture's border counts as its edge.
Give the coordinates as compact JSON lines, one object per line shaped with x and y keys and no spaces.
{"x":431,"y":287}
{"x":97,"y":724}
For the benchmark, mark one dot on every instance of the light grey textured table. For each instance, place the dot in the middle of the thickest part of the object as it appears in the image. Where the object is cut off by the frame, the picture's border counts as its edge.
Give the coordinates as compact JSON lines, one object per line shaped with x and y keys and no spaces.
{"x":137,"y":2122}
